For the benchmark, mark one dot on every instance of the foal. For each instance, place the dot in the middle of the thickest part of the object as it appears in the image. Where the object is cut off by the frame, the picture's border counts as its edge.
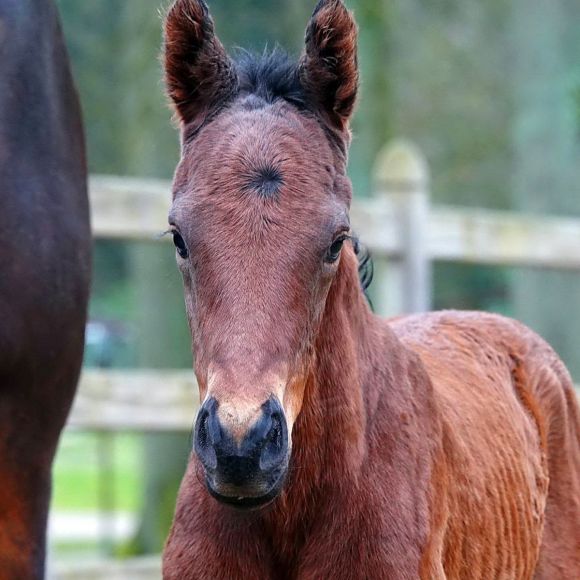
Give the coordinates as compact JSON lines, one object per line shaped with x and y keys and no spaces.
{"x":331,"y":443}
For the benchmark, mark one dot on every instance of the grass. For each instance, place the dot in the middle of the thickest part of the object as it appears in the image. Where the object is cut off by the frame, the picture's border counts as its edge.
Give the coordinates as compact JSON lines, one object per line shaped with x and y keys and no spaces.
{"x":98,"y":472}
{"x":95,"y":472}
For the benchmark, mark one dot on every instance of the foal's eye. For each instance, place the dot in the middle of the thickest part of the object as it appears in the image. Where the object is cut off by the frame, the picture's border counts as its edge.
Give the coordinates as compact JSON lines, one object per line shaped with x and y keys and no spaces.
{"x":179,"y":243}
{"x":334,"y":251}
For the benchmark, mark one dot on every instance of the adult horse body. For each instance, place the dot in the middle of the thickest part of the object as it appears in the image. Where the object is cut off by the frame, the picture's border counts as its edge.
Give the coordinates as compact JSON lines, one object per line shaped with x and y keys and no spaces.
{"x":444,"y":445}
{"x":44,"y":270}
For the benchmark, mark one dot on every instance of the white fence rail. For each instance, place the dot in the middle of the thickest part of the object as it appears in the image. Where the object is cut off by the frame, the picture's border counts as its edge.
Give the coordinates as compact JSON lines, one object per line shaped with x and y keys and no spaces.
{"x":135,"y":400}
{"x":135,"y":209}
{"x":146,"y":568}
{"x":397,"y":224}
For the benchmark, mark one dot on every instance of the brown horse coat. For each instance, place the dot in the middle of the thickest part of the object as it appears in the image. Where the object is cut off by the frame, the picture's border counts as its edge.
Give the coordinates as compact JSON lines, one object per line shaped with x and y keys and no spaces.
{"x":470,"y":467}
{"x":45,"y":246}
{"x":444,"y":445}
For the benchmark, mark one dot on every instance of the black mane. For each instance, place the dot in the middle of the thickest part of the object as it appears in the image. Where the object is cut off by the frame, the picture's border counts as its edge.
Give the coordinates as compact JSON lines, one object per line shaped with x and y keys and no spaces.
{"x":366,"y":268}
{"x":270,"y":76}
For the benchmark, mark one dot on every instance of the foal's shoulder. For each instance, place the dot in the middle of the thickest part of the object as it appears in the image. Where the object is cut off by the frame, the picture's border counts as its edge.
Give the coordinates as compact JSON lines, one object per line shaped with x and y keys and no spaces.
{"x":467,"y":339}
{"x":463,"y":336}
{"x":464,"y":326}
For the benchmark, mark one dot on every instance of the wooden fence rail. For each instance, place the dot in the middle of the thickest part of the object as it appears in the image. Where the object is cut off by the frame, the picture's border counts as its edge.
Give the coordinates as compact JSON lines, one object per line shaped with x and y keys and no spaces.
{"x":135,"y":400}
{"x":135,"y":209}
{"x":144,"y":568}
{"x":397,"y":224}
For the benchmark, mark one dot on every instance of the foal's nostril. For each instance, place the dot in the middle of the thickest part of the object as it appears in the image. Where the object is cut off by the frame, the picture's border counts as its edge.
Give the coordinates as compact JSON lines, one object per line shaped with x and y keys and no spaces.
{"x":202,"y":434}
{"x":275,"y":443}
{"x":207,"y":434}
{"x":275,"y":436}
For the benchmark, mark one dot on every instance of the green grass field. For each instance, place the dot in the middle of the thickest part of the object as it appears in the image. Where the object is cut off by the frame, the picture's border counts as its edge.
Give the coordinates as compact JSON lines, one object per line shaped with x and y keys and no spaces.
{"x":93,"y":470}
{"x":95,"y":473}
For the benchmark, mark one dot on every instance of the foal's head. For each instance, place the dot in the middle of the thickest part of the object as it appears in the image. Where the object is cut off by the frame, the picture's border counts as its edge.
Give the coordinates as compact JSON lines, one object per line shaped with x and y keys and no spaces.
{"x":260,"y":216}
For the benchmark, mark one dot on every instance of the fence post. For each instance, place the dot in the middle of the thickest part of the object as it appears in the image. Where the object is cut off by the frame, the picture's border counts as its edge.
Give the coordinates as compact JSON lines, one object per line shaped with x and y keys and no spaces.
{"x":401,"y":175}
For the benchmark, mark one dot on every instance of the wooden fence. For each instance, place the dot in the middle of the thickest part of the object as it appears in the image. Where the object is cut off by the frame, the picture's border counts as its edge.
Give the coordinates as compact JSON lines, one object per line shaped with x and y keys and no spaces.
{"x":144,"y":568}
{"x":404,"y":234}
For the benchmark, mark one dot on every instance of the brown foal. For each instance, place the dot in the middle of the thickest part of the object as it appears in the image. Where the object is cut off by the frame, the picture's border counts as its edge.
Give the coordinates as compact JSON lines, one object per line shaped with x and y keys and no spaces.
{"x":332,"y":443}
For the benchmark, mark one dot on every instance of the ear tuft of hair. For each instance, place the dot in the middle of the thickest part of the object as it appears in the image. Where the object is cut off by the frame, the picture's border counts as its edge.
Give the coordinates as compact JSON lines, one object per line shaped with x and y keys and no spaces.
{"x":329,"y":67}
{"x":199,"y":75}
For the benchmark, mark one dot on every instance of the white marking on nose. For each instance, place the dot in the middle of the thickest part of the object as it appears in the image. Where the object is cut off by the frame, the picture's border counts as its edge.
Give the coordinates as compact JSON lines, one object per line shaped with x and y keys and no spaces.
{"x":238,"y":416}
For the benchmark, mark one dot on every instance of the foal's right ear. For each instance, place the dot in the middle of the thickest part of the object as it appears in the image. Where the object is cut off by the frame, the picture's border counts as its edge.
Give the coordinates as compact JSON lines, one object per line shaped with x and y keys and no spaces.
{"x":329,"y":69}
{"x":199,"y":75}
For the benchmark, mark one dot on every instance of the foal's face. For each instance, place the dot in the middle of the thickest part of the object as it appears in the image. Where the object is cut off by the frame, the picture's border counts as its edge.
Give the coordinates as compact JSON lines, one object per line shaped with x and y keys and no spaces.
{"x":262,"y":224}
{"x":259,"y":218}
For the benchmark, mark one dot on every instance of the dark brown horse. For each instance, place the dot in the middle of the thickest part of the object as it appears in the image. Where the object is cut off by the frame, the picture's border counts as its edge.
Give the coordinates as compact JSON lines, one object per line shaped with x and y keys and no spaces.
{"x":44,"y":270}
{"x":443,"y":445}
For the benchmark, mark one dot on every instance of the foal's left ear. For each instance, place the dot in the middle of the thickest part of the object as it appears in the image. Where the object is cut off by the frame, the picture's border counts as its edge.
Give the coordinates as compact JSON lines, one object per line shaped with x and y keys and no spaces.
{"x":199,"y":75}
{"x":329,"y":68}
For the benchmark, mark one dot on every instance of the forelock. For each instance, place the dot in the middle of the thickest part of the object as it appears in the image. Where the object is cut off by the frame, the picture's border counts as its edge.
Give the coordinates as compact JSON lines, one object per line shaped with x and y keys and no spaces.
{"x":271,"y":76}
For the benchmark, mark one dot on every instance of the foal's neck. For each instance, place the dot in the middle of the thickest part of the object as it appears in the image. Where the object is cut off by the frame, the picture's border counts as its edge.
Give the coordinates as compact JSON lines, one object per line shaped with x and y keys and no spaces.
{"x":329,"y":435}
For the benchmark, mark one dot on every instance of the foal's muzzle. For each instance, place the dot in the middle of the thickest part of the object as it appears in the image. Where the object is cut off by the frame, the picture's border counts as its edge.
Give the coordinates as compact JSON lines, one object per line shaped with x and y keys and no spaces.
{"x":249,"y":472}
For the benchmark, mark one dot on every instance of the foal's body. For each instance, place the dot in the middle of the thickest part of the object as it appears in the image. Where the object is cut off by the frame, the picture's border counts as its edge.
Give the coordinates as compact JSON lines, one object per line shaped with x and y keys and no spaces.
{"x":438,"y":467}
{"x":509,"y":448}
{"x":435,"y":446}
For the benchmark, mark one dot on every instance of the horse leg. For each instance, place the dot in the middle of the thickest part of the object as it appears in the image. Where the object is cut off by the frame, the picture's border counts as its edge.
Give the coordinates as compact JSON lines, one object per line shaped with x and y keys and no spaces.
{"x":32,"y":414}
{"x":24,"y":501}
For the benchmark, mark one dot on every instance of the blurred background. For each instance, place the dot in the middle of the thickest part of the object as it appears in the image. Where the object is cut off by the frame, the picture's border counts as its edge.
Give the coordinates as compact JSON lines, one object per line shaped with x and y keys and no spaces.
{"x":487,"y":93}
